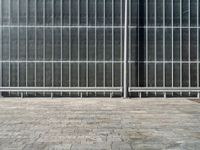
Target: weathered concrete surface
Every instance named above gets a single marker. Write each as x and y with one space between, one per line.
99 124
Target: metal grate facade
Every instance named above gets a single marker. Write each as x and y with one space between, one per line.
99 48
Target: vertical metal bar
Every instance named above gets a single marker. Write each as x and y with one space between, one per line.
121 42
165 95
22 95
138 42
129 51
147 67
35 44
69 44
112 43
104 45
198 46
164 46
44 44
1 29
181 30
155 43
125 47
27 44
18 36
78 44
61 44
87 54
95 43
52 34
172 30
189 58
140 95
9 41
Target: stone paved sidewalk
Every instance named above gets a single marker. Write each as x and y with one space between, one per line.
62 124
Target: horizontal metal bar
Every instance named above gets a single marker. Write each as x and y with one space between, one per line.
95 27
164 89
56 61
63 61
166 27
30 26
161 62
61 89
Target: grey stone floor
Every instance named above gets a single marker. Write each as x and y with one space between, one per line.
57 124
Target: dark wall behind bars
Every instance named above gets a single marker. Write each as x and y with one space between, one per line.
79 43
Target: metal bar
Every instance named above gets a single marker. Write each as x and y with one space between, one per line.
129 51
75 61
189 49
27 21
52 34
18 46
121 43
198 47
100 27
113 43
61 89
87 42
155 43
35 64
164 89
78 17
101 89
9 53
138 32
22 95
44 44
147 59
164 60
104 45
1 69
169 61
181 32
58 61
73 26
95 32
125 47
61 44
172 32
69 44
140 95
166 27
